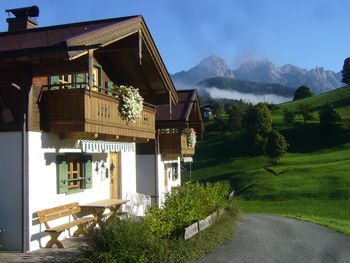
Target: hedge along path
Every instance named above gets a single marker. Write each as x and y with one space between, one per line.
201 225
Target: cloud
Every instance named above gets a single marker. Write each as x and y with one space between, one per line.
216 93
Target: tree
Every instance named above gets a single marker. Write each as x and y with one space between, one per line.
258 120
288 117
302 92
346 71
328 116
305 111
220 117
275 146
235 116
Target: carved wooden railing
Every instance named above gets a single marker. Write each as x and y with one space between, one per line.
173 143
72 108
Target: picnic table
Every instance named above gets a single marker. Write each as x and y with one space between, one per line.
98 209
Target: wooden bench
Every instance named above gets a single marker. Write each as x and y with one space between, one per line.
54 213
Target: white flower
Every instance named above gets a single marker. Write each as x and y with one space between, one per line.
191 138
130 102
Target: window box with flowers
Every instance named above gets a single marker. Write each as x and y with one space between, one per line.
130 102
191 138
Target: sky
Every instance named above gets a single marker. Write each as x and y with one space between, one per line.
305 33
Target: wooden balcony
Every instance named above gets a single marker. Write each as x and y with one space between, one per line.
84 114
174 144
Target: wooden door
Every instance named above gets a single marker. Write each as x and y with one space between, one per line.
115 189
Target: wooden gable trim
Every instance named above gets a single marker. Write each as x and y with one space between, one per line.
118 31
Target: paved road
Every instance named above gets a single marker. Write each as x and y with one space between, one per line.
265 238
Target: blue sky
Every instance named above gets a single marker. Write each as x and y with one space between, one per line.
306 33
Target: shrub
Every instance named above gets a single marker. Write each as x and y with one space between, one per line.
288 117
130 241
125 241
328 116
192 202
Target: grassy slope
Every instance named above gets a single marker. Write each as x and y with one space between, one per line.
315 184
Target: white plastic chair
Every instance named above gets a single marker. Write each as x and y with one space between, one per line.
136 201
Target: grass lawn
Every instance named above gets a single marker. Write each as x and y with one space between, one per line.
312 182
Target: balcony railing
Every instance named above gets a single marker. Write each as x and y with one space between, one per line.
72 109
173 143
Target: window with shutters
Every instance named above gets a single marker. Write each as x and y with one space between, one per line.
74 172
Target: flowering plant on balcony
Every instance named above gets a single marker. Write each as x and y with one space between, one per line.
191 138
130 102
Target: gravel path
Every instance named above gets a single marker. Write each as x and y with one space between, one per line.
265 238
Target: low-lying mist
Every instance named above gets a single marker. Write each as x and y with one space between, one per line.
216 93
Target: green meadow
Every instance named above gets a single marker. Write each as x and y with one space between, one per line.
312 181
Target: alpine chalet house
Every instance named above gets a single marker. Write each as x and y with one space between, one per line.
64 135
158 166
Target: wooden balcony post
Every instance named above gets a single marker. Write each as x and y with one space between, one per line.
91 67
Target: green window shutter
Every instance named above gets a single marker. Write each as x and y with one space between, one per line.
87 159
62 174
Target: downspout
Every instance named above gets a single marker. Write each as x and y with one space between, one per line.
24 170
156 168
25 186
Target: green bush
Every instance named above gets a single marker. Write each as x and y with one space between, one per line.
190 203
125 241
133 242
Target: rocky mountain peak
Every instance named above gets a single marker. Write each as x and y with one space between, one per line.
211 66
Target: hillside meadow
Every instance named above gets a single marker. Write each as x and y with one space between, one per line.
312 181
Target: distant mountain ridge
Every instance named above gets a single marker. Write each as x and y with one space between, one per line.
264 71
318 79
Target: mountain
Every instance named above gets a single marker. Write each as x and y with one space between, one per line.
318 79
209 67
245 86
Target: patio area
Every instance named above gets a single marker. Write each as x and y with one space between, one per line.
67 254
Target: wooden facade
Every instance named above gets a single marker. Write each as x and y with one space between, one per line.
79 113
174 144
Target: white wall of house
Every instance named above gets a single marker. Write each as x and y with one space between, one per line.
164 170
146 172
128 172
10 190
43 148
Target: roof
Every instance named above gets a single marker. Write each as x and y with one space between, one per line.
74 40
52 35
182 110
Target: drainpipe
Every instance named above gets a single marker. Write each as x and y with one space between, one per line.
25 209
156 168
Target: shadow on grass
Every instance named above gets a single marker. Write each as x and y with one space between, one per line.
310 137
220 148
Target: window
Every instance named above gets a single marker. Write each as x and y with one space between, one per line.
174 171
74 172
96 74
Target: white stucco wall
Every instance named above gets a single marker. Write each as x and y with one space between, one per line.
10 190
43 148
162 189
128 172
146 174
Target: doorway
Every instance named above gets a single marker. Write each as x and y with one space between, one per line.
115 182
